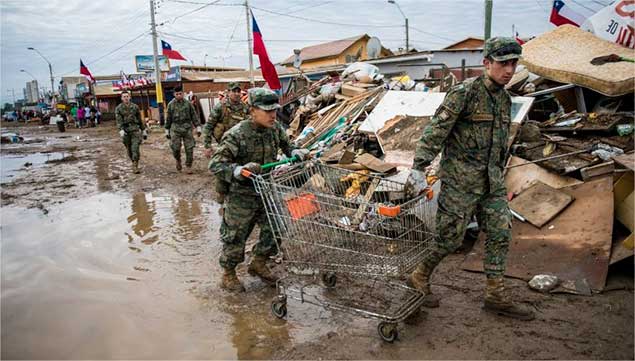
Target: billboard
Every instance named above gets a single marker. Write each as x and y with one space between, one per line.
145 63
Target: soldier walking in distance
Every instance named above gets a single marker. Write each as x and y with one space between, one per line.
224 116
131 128
181 119
471 128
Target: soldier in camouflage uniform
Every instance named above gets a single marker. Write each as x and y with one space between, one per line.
471 128
246 146
181 119
131 128
224 116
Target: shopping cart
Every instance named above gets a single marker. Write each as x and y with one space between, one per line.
331 222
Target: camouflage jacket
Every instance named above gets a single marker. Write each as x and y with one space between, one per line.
128 117
244 143
222 118
471 128
182 114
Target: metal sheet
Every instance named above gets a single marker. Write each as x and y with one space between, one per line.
577 247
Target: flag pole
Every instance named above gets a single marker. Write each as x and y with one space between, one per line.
250 46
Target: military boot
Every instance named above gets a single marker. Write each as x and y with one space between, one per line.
258 267
188 169
497 301
178 165
420 279
231 282
135 167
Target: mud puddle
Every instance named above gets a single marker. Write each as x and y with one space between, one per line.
13 165
115 276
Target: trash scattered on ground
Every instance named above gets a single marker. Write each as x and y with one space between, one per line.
543 283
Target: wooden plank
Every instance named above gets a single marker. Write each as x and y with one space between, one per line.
597 170
627 160
362 207
520 178
540 203
577 247
374 164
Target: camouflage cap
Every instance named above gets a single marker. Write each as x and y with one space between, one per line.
502 49
263 98
233 85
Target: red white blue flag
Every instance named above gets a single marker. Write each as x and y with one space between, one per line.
85 72
171 54
266 67
562 14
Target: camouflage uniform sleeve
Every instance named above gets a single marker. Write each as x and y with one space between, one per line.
208 130
224 160
119 118
437 131
193 115
168 120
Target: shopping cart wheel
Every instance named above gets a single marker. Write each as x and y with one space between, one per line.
279 308
387 331
329 279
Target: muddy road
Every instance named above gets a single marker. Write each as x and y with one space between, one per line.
99 263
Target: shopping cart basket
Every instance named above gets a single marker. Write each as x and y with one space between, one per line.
330 221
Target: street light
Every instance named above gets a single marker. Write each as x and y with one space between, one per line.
404 16
50 70
24 71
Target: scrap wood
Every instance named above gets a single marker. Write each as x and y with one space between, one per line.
518 179
540 203
597 170
362 207
374 164
627 160
576 247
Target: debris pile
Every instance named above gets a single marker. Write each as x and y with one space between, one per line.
570 168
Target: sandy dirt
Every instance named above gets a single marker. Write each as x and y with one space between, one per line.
87 163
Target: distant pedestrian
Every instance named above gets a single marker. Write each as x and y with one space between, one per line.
80 117
87 115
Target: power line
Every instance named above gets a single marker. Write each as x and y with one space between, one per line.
108 53
431 34
195 10
325 22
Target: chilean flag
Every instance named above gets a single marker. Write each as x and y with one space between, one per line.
85 72
562 14
266 67
171 54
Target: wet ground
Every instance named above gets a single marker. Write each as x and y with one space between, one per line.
98 263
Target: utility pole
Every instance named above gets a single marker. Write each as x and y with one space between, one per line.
250 46
488 19
407 38
157 70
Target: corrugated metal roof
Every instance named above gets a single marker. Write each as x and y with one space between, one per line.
220 76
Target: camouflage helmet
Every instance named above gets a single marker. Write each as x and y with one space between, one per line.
233 85
502 49
263 98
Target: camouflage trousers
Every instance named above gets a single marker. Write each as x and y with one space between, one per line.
132 140
242 214
455 210
182 135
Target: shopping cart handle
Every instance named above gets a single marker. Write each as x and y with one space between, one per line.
247 173
275 164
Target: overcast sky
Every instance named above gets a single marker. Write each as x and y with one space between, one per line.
107 34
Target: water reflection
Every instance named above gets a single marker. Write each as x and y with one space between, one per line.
142 219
